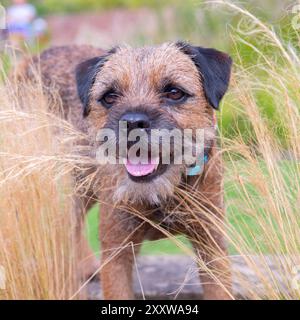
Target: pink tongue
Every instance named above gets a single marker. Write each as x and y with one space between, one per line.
140 169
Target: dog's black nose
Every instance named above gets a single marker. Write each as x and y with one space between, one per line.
136 120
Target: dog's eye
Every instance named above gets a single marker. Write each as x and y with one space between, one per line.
109 98
174 94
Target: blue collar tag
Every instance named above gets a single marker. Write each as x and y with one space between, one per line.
198 167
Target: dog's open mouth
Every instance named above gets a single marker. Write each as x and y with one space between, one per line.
144 170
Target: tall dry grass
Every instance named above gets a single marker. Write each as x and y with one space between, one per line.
37 244
265 174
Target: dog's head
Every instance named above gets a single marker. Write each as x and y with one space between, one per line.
171 86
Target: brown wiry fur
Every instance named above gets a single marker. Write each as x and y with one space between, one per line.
140 73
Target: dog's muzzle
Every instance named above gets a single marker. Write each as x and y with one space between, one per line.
141 163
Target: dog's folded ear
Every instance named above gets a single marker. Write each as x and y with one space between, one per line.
85 73
214 67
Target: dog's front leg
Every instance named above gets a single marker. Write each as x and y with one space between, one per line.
120 240
216 279
210 246
88 263
208 236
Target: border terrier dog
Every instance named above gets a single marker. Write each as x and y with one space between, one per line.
169 86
